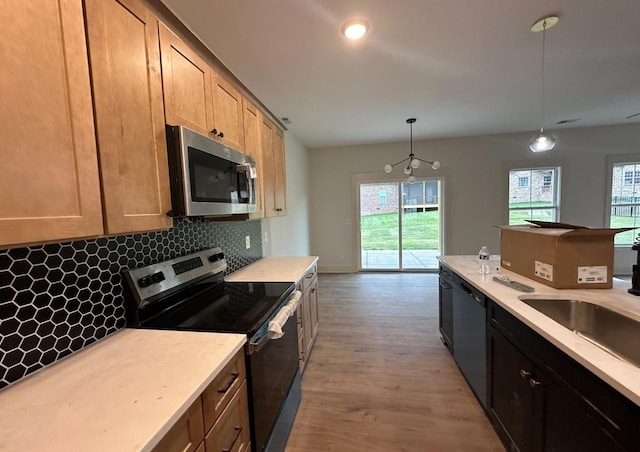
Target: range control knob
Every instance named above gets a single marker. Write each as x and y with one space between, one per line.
148 280
216 257
145 281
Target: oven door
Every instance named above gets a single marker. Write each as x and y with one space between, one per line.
272 371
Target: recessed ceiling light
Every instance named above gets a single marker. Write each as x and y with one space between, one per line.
355 29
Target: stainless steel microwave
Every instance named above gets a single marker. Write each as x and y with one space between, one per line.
208 178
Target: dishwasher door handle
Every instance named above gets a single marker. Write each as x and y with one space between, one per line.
473 294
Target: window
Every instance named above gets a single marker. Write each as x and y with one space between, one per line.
382 196
631 177
625 200
534 194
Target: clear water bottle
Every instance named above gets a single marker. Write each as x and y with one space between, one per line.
483 260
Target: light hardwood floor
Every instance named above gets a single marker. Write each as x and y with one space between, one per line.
379 378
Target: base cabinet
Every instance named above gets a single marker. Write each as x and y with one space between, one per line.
510 396
218 420
541 400
308 315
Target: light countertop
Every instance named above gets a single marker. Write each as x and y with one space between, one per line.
122 393
275 269
620 375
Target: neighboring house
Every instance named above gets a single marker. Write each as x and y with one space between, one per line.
625 189
383 198
528 185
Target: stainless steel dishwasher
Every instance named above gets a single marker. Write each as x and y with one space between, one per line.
470 336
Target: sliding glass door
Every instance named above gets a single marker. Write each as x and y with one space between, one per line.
400 225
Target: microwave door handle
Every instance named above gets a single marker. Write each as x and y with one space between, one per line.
250 185
251 174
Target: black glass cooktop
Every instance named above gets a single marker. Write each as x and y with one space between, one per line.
221 307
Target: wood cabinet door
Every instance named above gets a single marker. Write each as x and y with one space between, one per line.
186 434
49 184
186 81
251 123
227 112
267 131
511 398
127 90
231 431
280 172
313 306
308 326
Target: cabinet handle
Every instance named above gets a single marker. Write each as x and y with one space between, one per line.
221 135
534 383
313 290
214 132
234 377
524 373
239 430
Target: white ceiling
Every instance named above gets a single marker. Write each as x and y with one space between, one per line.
461 67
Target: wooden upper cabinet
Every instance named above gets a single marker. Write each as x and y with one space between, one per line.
186 80
280 172
49 184
127 90
267 131
252 147
274 182
227 113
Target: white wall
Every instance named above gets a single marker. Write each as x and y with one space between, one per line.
289 235
475 170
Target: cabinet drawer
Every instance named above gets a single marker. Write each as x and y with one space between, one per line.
186 434
221 390
231 431
308 278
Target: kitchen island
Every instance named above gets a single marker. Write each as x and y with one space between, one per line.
544 386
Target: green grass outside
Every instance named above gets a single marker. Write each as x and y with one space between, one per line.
380 232
537 212
532 204
625 238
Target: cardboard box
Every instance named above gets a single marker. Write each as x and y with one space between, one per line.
560 255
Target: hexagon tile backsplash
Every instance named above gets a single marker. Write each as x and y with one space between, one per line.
57 298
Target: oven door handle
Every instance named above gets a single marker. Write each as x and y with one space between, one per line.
254 347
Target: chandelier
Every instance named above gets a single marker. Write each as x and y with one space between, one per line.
413 162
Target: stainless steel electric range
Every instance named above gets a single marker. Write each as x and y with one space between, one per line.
190 293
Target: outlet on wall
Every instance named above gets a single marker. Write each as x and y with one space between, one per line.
247 242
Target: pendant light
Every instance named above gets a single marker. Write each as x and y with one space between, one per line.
413 162
542 141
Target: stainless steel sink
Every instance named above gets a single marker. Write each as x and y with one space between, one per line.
613 332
